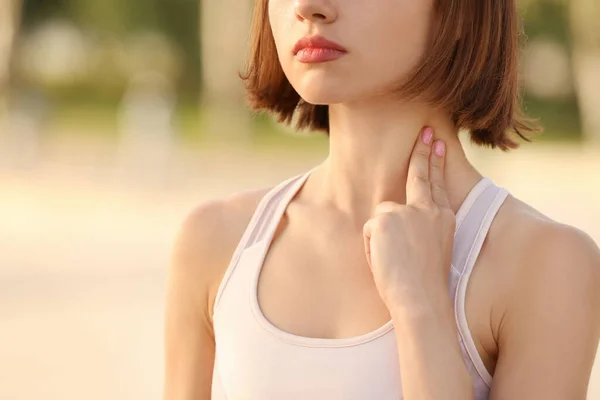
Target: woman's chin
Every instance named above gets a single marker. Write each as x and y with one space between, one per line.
322 98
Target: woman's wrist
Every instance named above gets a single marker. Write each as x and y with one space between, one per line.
422 312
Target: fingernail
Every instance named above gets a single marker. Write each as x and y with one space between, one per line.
427 135
439 148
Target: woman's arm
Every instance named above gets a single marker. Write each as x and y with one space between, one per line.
201 254
193 274
429 351
550 330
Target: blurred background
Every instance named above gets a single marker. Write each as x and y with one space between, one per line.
118 117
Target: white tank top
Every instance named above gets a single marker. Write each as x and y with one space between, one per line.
254 360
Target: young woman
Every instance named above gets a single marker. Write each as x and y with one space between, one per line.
393 269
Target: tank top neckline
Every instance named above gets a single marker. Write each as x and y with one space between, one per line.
264 244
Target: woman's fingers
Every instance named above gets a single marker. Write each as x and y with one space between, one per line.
437 163
418 188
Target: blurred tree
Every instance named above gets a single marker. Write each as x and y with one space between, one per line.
10 11
179 18
585 29
113 26
546 68
224 32
35 11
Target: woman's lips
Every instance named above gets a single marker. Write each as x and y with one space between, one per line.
317 49
318 54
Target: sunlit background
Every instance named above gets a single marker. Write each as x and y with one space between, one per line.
118 117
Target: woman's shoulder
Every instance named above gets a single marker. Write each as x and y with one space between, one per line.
530 235
207 239
522 240
222 221
539 283
533 258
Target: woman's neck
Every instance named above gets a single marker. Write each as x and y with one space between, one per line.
370 145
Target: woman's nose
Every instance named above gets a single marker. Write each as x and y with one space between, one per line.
318 11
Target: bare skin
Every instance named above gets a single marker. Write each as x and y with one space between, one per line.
532 302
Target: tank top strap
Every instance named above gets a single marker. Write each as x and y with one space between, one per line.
264 220
473 222
270 216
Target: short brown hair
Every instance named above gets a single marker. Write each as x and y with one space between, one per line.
470 69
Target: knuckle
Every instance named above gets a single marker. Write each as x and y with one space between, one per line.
385 222
386 206
438 188
435 213
426 205
437 169
412 210
436 162
422 152
419 179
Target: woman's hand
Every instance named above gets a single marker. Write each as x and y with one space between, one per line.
409 247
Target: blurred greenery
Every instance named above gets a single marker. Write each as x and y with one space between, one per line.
110 19
100 118
560 118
